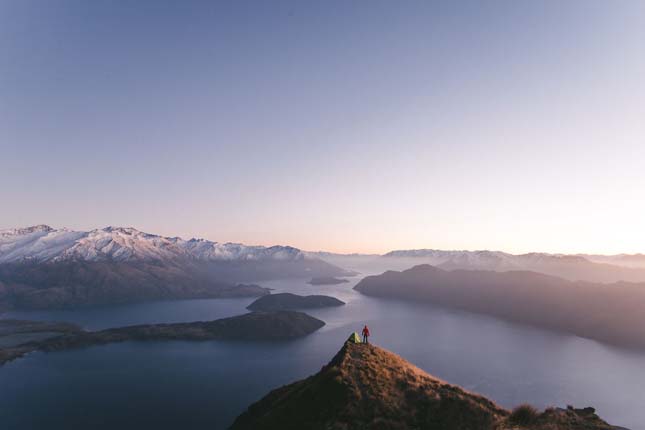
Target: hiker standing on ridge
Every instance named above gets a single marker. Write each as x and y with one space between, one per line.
366 334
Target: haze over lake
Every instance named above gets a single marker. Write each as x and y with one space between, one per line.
207 384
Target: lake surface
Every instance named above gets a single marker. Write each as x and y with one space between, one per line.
169 385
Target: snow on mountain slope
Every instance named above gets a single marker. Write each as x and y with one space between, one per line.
207 250
121 244
43 243
39 243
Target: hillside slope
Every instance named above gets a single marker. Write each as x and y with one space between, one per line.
366 387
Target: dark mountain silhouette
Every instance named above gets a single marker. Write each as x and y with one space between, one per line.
611 313
366 387
286 301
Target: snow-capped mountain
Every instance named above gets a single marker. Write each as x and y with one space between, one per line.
42 243
39 243
42 267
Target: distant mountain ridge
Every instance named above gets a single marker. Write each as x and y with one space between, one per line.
42 267
514 261
627 260
503 260
572 267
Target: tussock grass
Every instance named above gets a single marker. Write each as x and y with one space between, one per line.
524 415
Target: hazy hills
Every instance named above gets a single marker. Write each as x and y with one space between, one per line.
42 267
366 387
611 313
593 268
572 267
626 260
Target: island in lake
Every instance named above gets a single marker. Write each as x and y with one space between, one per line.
326 280
16 339
287 301
367 387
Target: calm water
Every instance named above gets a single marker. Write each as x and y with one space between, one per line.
206 385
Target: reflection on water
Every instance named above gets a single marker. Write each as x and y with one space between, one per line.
205 385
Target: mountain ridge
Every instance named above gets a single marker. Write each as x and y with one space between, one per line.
43 243
365 386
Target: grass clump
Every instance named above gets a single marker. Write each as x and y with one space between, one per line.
524 415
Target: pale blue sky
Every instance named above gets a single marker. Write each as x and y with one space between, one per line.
346 126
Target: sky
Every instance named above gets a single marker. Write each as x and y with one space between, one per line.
360 126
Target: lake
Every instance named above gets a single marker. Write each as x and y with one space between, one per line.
169 385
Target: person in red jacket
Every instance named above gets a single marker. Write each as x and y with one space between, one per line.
366 334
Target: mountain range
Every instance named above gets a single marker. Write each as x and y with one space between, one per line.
43 267
42 243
